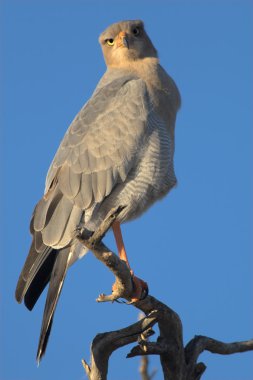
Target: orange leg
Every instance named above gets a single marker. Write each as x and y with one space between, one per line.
140 287
119 241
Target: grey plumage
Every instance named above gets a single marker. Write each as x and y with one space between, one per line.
117 151
55 286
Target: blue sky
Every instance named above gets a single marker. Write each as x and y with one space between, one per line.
195 247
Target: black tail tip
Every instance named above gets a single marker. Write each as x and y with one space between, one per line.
39 357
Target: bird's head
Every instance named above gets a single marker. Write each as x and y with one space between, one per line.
126 41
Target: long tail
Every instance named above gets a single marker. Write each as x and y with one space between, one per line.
35 275
48 265
55 286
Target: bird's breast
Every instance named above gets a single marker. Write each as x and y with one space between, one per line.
154 175
150 179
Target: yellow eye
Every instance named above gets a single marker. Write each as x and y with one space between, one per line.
110 41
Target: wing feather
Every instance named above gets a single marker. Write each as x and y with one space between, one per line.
69 182
102 142
45 208
52 233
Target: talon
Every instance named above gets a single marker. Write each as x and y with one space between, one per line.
140 289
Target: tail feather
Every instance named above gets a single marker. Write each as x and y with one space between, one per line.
54 219
55 286
40 280
31 269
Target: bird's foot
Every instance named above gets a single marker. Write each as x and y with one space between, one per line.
140 289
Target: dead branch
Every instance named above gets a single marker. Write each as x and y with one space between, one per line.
104 344
144 363
200 344
178 363
145 375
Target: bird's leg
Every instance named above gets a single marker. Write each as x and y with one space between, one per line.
120 244
140 286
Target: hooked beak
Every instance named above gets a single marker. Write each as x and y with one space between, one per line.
122 40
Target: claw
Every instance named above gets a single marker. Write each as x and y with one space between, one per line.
140 289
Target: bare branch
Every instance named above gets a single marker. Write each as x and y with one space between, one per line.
148 348
104 344
86 368
144 363
177 363
143 369
170 328
202 343
168 321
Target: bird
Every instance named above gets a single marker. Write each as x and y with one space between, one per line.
118 151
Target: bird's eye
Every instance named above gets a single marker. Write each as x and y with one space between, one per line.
110 41
136 31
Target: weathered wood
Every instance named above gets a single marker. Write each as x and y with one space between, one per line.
104 344
178 363
202 343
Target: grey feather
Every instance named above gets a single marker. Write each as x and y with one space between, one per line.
109 182
69 182
85 197
106 132
73 222
87 193
55 287
54 229
39 244
45 208
101 185
40 214
84 161
31 267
